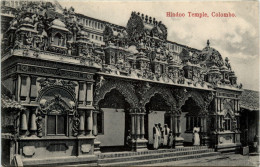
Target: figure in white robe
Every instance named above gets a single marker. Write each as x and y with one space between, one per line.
196 136
161 134
166 132
156 135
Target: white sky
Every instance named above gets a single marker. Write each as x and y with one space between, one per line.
236 38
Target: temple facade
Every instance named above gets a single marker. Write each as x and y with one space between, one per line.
73 86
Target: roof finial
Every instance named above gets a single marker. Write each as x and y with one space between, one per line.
208 43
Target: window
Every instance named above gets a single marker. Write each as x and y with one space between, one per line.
100 122
227 122
161 68
96 37
58 39
56 124
100 38
92 36
191 122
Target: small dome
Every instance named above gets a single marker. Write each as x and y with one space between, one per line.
58 23
224 68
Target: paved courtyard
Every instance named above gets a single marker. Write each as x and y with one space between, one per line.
220 160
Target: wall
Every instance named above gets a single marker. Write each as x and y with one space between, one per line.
114 127
153 118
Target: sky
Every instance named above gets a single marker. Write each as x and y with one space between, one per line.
236 38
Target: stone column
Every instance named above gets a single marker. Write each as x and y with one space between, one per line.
138 126
138 142
132 125
202 125
95 133
33 128
89 123
171 123
177 131
23 124
205 138
82 123
142 126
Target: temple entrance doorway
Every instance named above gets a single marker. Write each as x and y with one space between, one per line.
189 119
156 110
113 122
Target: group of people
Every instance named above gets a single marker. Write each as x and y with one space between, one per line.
162 136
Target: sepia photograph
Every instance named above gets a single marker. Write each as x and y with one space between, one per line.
130 83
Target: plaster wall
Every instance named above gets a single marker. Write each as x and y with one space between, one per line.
114 127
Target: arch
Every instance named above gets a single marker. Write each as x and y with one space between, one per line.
196 96
164 92
46 89
125 88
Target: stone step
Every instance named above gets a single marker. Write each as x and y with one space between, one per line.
160 160
152 156
123 154
228 150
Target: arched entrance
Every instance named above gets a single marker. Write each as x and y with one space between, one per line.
113 122
190 118
156 112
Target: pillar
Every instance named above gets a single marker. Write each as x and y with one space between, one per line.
33 128
82 123
138 142
133 125
138 126
23 124
171 123
95 133
142 126
202 125
89 123
178 140
205 138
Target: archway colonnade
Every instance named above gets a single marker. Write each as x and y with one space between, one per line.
140 94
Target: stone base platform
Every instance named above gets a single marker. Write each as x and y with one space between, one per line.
153 156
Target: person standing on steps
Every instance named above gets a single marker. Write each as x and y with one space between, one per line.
166 132
156 135
161 135
196 136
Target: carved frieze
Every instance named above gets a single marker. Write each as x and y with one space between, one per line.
124 87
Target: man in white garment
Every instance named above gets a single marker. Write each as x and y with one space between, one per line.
156 134
166 132
161 134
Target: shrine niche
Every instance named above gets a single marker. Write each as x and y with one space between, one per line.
57 110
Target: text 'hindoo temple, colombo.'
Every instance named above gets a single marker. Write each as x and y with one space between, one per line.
73 86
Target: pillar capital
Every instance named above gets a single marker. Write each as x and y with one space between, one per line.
138 111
